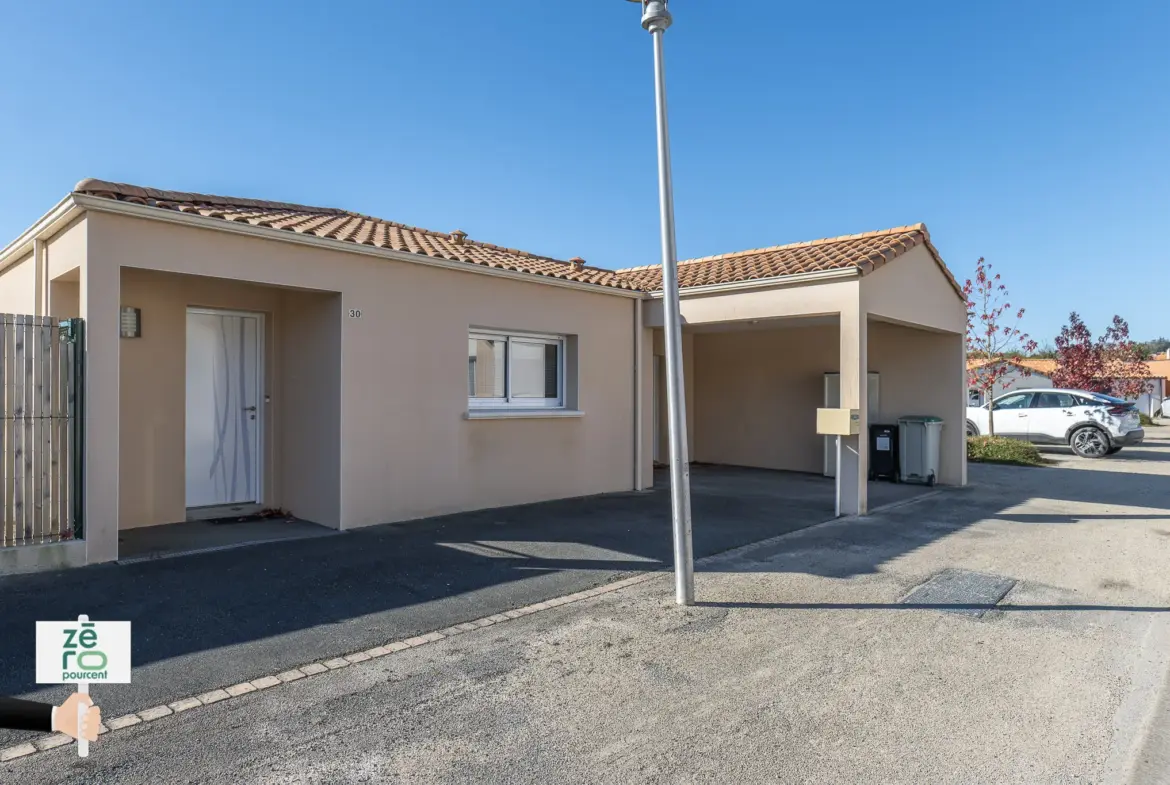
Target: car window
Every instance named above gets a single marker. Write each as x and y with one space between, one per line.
1054 400
1017 401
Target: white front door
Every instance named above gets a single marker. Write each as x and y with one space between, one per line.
833 401
224 361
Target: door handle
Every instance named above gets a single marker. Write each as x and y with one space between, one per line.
1022 414
249 408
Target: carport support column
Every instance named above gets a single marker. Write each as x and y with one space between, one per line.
100 296
853 464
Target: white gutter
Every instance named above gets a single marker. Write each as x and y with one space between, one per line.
638 354
764 283
47 225
102 204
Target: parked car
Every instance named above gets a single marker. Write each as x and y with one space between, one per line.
1093 424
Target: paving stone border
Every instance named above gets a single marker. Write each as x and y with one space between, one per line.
324 666
311 669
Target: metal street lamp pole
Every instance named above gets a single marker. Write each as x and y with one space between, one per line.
655 19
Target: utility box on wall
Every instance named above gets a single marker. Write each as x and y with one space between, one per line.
839 422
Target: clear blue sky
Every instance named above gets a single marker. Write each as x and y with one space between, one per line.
1036 134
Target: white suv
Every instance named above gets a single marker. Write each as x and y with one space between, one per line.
1094 425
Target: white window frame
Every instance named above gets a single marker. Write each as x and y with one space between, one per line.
508 402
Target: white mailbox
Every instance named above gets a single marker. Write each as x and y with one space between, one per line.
839 422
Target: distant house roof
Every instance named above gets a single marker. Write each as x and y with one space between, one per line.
348 227
1033 364
1159 369
863 252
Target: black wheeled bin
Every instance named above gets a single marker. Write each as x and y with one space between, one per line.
883 452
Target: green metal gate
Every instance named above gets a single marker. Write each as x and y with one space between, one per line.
42 436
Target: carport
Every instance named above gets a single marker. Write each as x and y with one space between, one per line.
873 322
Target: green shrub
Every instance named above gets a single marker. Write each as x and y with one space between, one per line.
997 449
1147 422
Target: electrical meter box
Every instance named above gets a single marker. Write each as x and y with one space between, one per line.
839 422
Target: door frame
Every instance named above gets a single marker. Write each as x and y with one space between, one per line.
261 407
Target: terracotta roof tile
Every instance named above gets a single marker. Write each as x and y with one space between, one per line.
1035 364
346 226
1158 369
863 252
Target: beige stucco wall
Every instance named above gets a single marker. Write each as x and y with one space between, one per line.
913 289
813 298
406 449
923 373
22 289
18 287
306 405
659 384
153 394
65 254
649 390
65 251
757 392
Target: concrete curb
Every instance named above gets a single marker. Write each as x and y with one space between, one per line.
228 693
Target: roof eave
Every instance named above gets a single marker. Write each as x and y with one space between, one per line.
102 204
46 226
774 282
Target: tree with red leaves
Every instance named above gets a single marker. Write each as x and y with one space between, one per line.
1126 370
1079 362
1113 364
993 334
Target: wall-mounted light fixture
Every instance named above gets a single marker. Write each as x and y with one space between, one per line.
131 322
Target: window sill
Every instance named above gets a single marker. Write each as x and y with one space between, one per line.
519 414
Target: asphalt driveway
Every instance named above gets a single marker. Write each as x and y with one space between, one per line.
215 619
1016 631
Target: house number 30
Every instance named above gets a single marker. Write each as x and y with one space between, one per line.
355 313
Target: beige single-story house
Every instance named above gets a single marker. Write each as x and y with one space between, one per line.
252 353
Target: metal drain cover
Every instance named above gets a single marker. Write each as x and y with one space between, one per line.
960 591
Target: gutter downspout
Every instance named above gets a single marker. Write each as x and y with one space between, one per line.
41 273
638 355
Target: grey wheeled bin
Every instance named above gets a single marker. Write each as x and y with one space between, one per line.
919 442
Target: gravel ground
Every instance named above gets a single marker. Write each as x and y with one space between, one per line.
800 665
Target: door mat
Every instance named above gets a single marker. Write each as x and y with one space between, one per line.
262 515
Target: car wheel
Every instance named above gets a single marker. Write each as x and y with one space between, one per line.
1089 442
971 429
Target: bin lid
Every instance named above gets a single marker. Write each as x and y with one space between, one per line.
920 418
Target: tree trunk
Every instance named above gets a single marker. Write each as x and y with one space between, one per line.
990 414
